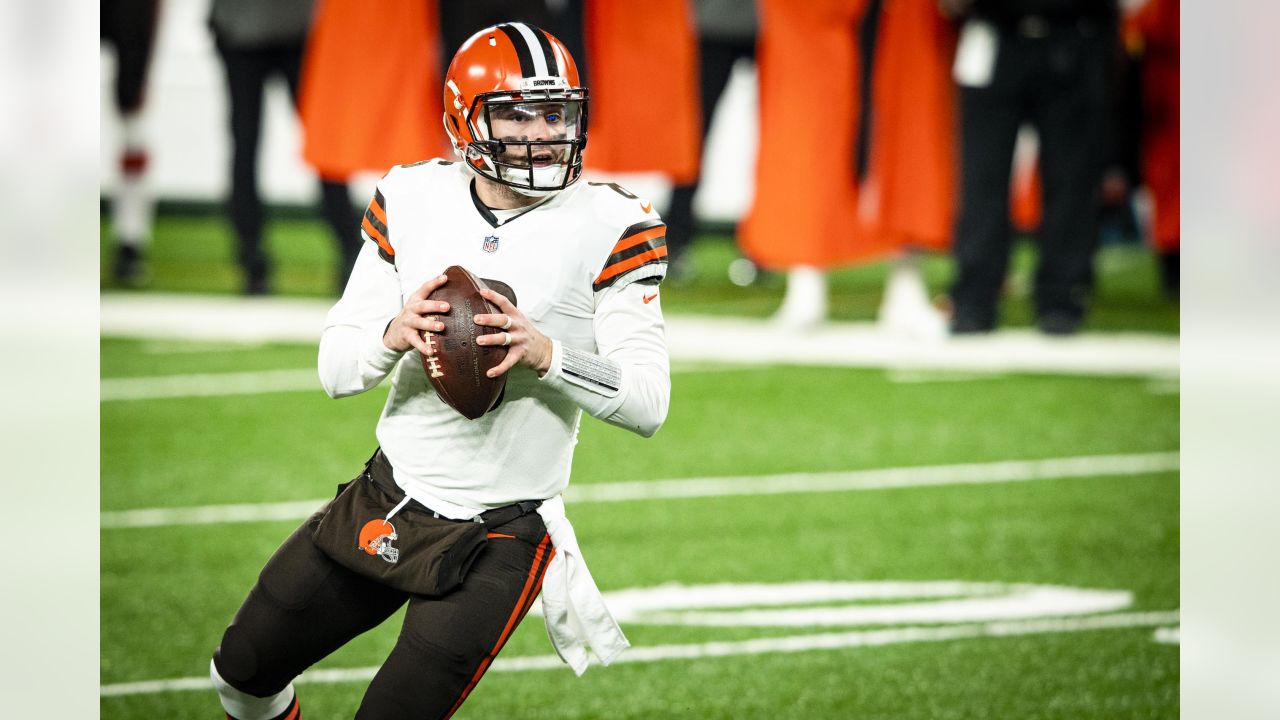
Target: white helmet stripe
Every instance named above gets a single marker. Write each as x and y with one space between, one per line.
535 49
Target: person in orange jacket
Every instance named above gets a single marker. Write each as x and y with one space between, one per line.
649 45
856 149
370 91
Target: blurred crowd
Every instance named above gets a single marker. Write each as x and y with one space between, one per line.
888 129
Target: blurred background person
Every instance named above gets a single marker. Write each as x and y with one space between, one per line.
726 34
649 45
1046 63
1152 39
369 99
129 28
257 41
907 155
856 152
459 20
803 217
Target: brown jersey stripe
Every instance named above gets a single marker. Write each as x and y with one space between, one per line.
379 206
646 240
643 236
656 235
639 227
374 225
612 272
638 249
371 227
387 252
377 224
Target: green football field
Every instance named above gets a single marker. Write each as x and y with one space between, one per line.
796 542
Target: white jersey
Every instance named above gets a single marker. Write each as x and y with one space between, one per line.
584 265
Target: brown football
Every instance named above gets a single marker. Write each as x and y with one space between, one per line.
457 365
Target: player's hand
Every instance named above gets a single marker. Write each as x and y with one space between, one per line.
416 317
525 345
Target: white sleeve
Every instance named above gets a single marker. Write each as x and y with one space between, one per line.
352 356
628 383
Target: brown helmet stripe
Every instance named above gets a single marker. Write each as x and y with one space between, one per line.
553 65
523 51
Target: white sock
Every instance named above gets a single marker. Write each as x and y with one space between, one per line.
805 302
133 208
243 706
905 308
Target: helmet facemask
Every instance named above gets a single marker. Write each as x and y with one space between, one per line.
530 141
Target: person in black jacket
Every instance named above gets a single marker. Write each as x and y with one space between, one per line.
1046 63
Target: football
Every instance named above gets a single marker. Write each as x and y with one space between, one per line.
457 365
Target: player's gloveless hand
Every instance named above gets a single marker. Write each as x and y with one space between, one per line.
416 317
526 345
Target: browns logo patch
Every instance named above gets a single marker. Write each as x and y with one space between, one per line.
376 537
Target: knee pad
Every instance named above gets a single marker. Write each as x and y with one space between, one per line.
245 706
237 665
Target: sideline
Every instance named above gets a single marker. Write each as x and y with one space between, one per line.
786 644
689 338
856 480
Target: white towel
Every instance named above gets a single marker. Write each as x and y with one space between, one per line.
572 605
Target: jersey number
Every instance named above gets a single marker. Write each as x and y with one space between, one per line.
618 189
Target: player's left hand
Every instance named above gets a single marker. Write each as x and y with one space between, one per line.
526 346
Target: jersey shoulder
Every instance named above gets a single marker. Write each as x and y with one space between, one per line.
631 238
403 183
422 171
614 206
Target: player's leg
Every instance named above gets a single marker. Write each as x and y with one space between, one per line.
246 72
131 25
303 607
448 643
335 199
989 120
715 61
1072 113
344 223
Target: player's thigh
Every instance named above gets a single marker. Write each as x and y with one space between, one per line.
447 644
476 618
303 607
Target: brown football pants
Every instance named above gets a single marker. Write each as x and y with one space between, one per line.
304 606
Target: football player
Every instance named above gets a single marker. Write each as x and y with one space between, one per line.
584 333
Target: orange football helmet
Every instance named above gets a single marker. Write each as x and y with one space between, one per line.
524 79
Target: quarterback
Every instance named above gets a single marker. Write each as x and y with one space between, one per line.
462 520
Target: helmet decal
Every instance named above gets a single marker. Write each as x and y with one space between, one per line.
375 539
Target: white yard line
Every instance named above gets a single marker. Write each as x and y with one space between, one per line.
167 387
160 316
787 644
856 480
209 384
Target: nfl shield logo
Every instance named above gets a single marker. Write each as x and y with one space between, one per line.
490 244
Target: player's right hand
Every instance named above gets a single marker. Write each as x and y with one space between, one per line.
416 317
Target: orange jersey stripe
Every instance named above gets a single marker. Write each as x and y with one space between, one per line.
377 237
631 241
378 211
631 263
